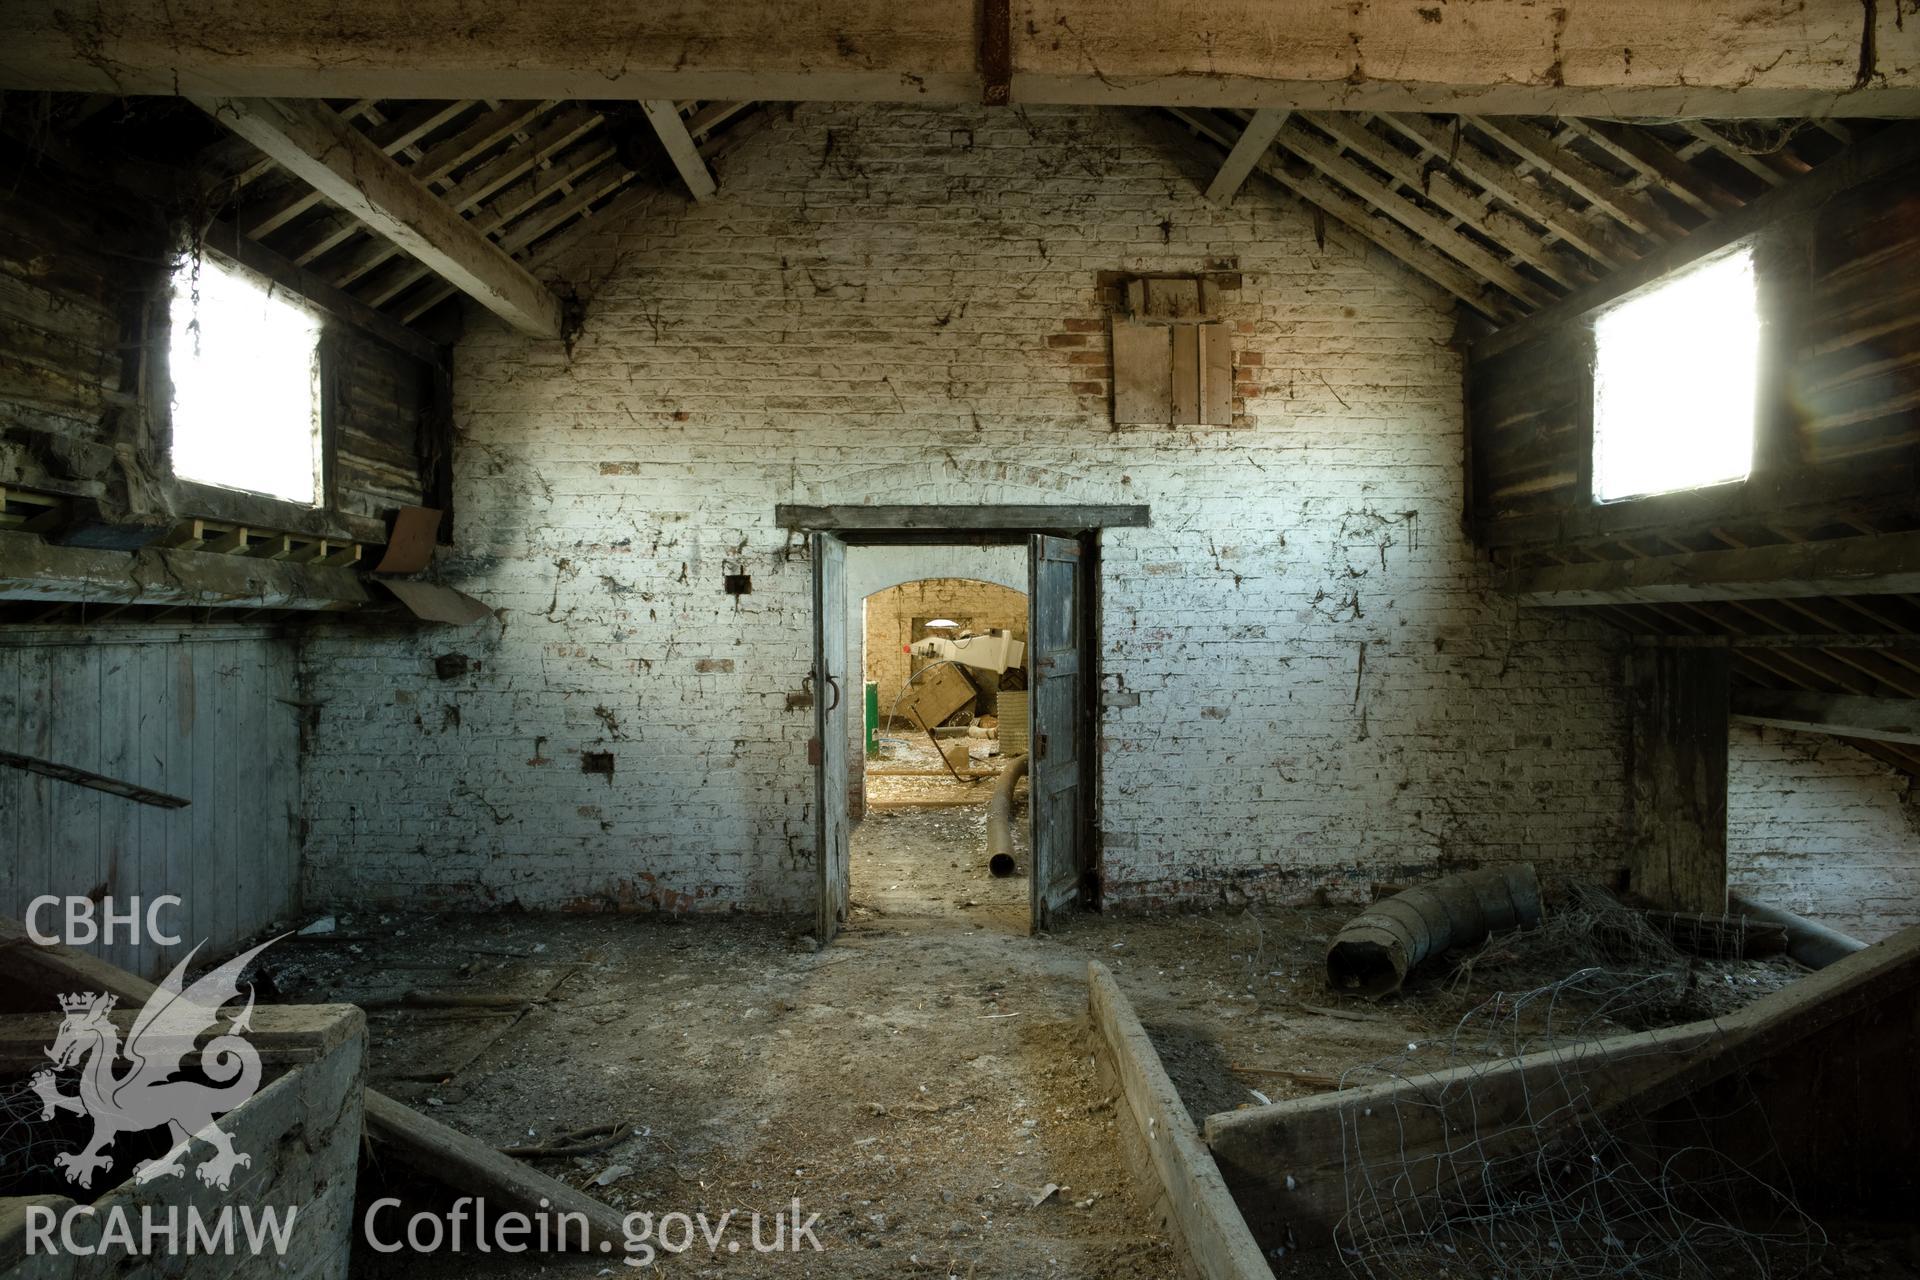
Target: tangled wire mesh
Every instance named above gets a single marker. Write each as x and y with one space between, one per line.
1485 1170
28 1143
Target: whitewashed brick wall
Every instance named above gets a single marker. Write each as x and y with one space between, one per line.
897 305
1822 829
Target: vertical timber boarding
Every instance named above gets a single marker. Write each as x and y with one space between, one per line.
1677 712
830 691
1060 735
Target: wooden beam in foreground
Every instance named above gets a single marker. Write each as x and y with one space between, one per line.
1291 1164
320 147
1180 1178
1503 57
664 116
1247 150
1842 714
1872 564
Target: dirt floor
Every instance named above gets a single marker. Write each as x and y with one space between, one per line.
923 1083
932 862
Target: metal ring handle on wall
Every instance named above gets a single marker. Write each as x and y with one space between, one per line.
835 686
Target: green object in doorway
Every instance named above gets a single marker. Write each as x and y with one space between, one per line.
873 718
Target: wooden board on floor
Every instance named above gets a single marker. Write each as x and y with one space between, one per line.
1201 1211
471 1166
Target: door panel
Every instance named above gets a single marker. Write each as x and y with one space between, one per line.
832 828
1059 730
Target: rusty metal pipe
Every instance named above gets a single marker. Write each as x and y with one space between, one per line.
1000 818
1376 950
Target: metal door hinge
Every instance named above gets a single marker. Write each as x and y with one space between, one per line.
816 753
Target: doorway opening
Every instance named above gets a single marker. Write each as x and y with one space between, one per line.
940 797
1062 676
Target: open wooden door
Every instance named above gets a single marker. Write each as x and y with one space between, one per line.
829 747
1060 730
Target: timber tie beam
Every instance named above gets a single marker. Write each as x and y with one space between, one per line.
1843 715
1499 57
1878 564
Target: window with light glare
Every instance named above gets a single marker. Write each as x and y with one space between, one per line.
246 384
1676 379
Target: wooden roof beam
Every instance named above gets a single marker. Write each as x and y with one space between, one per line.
667 122
1337 204
712 115
558 177
1844 715
395 137
1649 157
1770 169
1886 151
1331 201
1508 57
345 166
596 185
481 135
1460 154
1247 149
1588 181
1879 564
1497 225
1429 228
561 131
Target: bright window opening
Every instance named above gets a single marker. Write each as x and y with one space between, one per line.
246 384
1675 383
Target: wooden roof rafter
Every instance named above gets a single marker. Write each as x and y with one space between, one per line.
1510 214
520 174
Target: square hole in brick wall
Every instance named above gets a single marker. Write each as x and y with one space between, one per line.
739 584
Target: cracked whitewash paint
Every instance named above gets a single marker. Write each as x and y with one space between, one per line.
1823 829
894 305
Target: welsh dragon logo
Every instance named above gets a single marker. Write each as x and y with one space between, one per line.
145 1095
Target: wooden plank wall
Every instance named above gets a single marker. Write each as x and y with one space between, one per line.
1677 723
84 270
1840 401
382 401
72 293
203 713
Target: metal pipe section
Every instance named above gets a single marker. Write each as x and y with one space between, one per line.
1808 941
1379 947
1000 818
